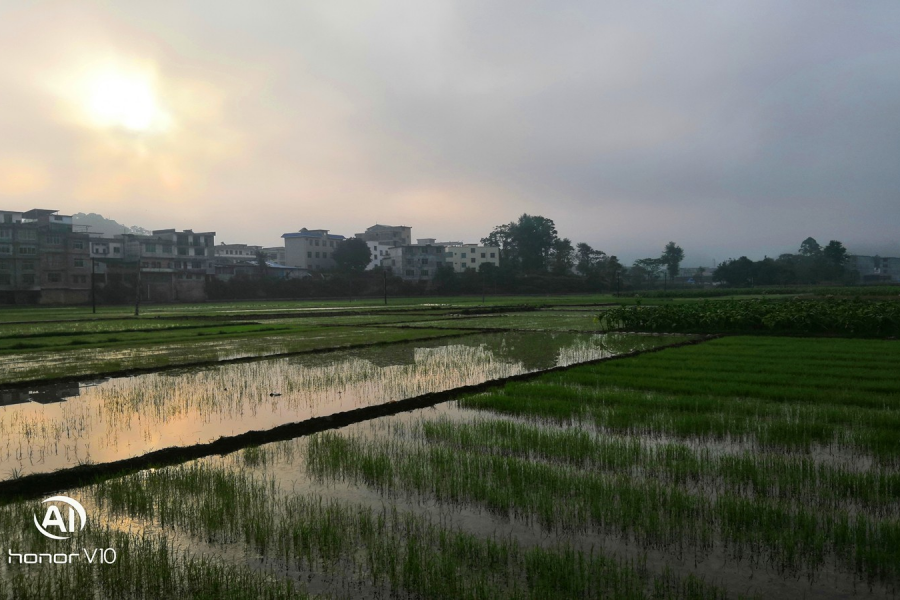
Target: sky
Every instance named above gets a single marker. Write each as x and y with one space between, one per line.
732 128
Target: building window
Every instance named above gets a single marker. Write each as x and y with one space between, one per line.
182 251
424 271
317 254
492 255
4 249
196 264
309 254
53 239
482 255
79 263
27 279
28 265
26 250
316 242
117 250
410 272
79 278
472 259
167 248
27 234
54 277
5 234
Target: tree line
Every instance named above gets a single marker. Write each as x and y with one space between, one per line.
812 264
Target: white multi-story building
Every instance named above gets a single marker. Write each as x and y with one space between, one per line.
469 256
311 249
418 262
378 251
236 252
875 268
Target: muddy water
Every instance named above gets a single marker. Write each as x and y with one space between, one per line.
66 424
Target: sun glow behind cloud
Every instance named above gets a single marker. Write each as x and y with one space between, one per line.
121 99
115 94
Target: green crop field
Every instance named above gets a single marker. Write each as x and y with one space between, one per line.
745 466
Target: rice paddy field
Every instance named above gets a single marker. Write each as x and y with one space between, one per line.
583 465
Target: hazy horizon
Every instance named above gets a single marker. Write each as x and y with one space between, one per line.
733 129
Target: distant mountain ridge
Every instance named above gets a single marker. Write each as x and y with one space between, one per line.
106 227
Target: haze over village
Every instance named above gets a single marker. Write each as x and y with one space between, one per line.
735 129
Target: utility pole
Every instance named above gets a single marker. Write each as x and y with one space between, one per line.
93 286
384 272
137 290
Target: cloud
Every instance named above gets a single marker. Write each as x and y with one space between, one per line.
750 124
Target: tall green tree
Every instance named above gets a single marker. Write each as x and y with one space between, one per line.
526 244
562 256
835 253
671 258
352 255
648 267
810 247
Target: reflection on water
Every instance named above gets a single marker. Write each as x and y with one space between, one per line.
129 416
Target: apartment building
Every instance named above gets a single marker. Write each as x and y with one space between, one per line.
275 254
391 235
174 265
875 268
42 258
415 262
469 256
378 251
236 252
311 249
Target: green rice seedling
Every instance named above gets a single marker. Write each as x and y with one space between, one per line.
382 547
652 510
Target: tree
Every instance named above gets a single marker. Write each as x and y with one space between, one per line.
671 258
649 267
737 273
352 255
534 236
810 247
587 260
835 253
502 238
525 245
561 256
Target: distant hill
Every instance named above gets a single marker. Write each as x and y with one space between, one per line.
107 227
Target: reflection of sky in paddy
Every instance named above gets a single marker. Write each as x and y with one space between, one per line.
129 416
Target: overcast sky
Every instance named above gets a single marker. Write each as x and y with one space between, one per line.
729 127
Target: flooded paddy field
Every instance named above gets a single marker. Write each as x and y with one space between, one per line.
738 467
196 347
56 425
